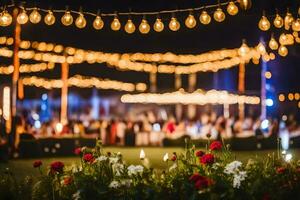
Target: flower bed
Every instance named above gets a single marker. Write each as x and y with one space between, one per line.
195 174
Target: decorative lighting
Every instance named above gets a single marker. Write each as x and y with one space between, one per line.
286 39
261 48
296 25
281 97
5 18
22 17
67 19
204 18
244 49
268 75
6 103
291 96
144 27
98 23
129 26
278 21
174 25
142 154
232 9
264 23
115 24
80 21
219 15
273 44
245 4
288 19
35 16
49 18
283 51
190 21
158 25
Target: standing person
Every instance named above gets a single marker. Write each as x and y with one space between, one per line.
3 142
121 127
113 132
129 134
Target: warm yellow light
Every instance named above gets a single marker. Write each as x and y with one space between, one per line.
286 39
6 103
278 21
174 25
281 97
80 21
268 75
273 44
244 49
49 18
190 21
232 9
67 19
115 24
291 96
98 23
129 26
204 18
272 56
296 25
261 48
144 27
158 25
264 23
245 4
5 18
297 96
35 17
219 15
299 104
288 19
283 51
22 17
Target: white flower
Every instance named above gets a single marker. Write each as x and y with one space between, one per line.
173 167
215 166
101 158
76 196
232 167
166 157
118 168
113 160
238 178
135 169
114 184
126 182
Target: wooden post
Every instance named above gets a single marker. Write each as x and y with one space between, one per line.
153 82
178 107
241 88
192 87
64 93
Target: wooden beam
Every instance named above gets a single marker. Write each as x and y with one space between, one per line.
64 93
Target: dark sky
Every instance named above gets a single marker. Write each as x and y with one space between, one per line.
228 34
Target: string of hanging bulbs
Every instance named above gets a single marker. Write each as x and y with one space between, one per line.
144 27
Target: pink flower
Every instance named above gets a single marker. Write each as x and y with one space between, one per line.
200 182
57 166
88 158
199 153
215 145
77 151
207 159
174 157
280 170
68 180
37 163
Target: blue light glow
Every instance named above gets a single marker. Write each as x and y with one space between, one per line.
44 97
264 124
269 102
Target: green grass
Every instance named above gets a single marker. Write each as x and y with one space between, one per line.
23 167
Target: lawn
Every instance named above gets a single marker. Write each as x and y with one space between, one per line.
23 167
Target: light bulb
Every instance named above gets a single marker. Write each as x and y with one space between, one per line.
283 51
204 18
98 23
245 4
5 18
158 25
22 17
35 16
129 26
264 23
174 25
278 21
49 18
190 21
232 9
288 19
80 21
219 15
115 24
244 49
296 25
272 56
261 48
67 19
144 27
273 44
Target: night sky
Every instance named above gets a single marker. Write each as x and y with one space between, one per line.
227 34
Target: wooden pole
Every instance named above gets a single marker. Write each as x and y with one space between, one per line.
64 93
178 107
153 82
241 88
192 87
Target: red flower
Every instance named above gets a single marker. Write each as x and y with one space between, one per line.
77 151
266 197
174 157
199 153
68 180
298 169
194 177
37 163
88 158
215 145
280 170
57 167
207 159
200 182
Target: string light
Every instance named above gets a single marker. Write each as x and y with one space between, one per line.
35 16
190 21
49 18
261 48
244 49
286 39
296 25
288 19
5 18
283 51
158 25
115 24
27 68
174 25
273 44
67 19
204 18
219 15
278 21
281 97
144 27
129 26
80 21
98 23
264 23
22 17
245 4
232 9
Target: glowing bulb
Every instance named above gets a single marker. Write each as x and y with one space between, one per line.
288 19
296 25
144 27
190 21
244 49
59 127
98 23
288 157
22 17
273 44
5 18
158 25
232 9
67 19
129 26
261 48
283 51
49 18
142 154
219 15
174 25
278 21
35 16
80 21
245 4
264 23
115 24
204 18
